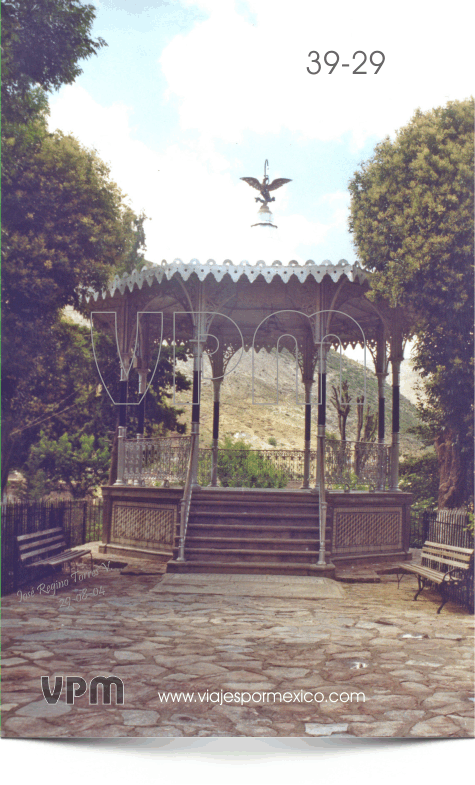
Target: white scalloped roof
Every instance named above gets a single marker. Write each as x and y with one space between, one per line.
219 269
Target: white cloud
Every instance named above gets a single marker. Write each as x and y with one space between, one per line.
232 74
197 208
108 130
235 73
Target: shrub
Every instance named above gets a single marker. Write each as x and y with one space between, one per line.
241 467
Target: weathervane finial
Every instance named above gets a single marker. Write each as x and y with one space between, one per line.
264 187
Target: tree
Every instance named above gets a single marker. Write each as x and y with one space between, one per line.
412 223
73 449
341 402
419 476
65 228
42 42
367 422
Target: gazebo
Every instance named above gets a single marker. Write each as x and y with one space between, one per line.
168 501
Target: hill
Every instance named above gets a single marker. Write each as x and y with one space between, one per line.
285 421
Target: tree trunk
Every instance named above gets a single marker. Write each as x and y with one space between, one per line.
451 471
343 408
8 444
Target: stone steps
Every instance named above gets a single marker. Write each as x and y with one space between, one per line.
246 531
262 532
245 543
250 568
248 555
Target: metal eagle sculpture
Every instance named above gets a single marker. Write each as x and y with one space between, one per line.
265 187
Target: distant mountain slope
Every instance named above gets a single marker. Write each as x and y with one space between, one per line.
285 422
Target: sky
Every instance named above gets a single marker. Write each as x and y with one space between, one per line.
191 95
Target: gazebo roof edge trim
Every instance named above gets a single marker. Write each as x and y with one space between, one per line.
218 270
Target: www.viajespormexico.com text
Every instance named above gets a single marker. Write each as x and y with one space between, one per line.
241 698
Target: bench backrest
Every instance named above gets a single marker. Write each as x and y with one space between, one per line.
40 545
446 557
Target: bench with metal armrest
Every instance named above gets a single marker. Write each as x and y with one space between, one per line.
442 565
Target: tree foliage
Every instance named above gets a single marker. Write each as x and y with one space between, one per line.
419 476
42 43
412 222
68 445
65 224
66 228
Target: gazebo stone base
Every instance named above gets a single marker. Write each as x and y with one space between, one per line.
393 556
369 525
140 523
256 531
129 552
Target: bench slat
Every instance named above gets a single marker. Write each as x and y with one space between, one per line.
24 537
438 577
53 542
39 551
32 542
446 554
449 562
448 547
63 557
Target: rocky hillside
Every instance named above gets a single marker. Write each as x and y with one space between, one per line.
285 421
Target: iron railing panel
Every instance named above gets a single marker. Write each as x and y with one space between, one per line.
163 458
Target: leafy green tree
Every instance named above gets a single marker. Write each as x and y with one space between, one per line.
61 463
60 214
47 392
65 228
42 42
65 225
412 223
67 440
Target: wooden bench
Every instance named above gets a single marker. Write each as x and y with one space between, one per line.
47 548
442 565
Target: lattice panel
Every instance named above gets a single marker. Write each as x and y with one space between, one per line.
151 525
370 530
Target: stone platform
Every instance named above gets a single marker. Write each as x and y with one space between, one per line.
277 586
410 672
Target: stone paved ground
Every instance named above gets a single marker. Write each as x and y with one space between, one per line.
415 668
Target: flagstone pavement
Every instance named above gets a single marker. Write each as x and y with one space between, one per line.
357 660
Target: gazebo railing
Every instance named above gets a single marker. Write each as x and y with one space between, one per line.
162 458
273 468
357 465
348 465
